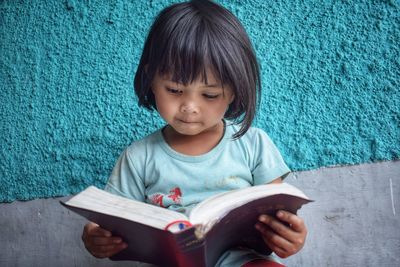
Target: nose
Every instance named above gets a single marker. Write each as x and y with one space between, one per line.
189 106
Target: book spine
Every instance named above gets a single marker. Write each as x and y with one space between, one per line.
191 251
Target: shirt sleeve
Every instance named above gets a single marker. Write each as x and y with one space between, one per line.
125 179
268 161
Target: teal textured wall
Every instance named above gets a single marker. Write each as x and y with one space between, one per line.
330 74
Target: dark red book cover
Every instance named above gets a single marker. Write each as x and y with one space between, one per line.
186 248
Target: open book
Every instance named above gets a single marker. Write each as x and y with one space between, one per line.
169 238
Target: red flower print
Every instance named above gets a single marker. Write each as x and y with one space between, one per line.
175 194
157 199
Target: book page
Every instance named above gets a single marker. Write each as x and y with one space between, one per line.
98 200
211 210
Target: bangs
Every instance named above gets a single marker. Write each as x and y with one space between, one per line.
188 54
186 65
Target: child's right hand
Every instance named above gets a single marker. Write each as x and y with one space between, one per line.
100 242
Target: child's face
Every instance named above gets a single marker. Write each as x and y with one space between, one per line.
194 108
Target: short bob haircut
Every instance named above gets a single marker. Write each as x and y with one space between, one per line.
186 39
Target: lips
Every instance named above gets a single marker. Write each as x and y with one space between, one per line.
186 121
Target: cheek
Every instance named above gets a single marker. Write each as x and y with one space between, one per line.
164 107
217 109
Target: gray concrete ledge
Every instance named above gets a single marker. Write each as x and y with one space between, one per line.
354 221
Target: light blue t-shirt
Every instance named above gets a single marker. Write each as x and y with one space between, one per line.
150 170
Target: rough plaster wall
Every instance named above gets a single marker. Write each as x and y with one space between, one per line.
330 73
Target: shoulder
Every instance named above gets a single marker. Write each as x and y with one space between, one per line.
250 144
135 157
254 142
255 132
144 144
253 135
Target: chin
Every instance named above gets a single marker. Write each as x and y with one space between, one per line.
187 131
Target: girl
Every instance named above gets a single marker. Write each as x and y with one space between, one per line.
199 71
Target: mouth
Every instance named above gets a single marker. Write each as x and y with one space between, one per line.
187 121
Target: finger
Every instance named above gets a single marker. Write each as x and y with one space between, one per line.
103 241
271 237
299 230
98 231
297 239
295 222
275 225
90 226
276 249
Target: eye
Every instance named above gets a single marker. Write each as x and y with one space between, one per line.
211 96
173 91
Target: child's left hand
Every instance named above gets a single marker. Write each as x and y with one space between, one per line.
282 239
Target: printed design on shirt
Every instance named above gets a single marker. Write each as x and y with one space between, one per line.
157 199
175 195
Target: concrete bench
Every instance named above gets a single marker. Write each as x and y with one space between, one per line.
353 222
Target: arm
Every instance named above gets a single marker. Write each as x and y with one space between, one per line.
124 181
100 242
286 234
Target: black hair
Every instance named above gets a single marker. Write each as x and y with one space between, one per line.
186 39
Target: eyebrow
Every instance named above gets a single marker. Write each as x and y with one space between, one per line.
212 85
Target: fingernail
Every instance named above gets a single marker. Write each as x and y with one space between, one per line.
116 241
263 218
280 214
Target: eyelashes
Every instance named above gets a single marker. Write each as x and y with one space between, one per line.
174 91
178 92
211 96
